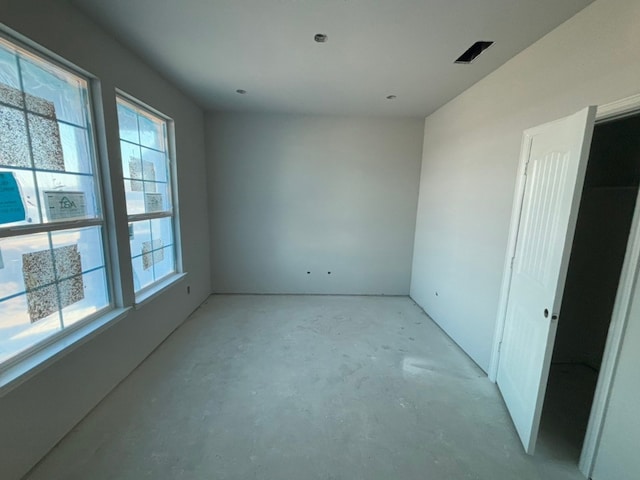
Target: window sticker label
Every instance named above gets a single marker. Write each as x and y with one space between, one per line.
11 95
11 205
14 144
46 143
65 205
40 105
148 174
152 252
40 277
153 202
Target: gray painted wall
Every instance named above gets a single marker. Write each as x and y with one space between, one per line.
470 157
617 457
293 194
37 414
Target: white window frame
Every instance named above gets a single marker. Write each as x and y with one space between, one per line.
20 367
148 292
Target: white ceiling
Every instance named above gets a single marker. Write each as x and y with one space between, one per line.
375 48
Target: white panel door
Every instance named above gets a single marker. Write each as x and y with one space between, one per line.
556 154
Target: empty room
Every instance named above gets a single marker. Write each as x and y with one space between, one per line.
338 239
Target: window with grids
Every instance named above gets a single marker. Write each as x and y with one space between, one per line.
52 256
146 168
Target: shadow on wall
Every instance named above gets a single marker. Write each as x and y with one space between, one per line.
295 194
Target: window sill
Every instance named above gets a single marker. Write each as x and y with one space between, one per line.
147 295
24 369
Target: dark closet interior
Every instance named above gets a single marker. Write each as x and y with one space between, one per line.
602 231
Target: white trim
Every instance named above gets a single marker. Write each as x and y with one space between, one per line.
141 105
609 111
617 327
175 201
46 227
619 108
20 367
620 314
146 295
140 217
525 152
516 210
143 295
34 48
21 371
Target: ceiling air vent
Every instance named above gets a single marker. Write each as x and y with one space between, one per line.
473 52
321 38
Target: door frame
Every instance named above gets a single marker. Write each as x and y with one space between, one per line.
619 319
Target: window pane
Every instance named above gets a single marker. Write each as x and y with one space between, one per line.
164 263
147 180
131 163
139 235
160 252
162 230
12 251
94 296
51 135
75 147
128 123
49 86
157 197
89 245
9 81
32 262
46 145
17 332
152 249
151 132
54 145
132 173
49 272
155 165
142 274
14 143
39 279
47 171
135 196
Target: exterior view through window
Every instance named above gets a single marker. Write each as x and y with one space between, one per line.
52 262
146 167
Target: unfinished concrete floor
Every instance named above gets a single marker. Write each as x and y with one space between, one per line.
301 387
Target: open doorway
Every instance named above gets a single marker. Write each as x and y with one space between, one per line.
600 242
